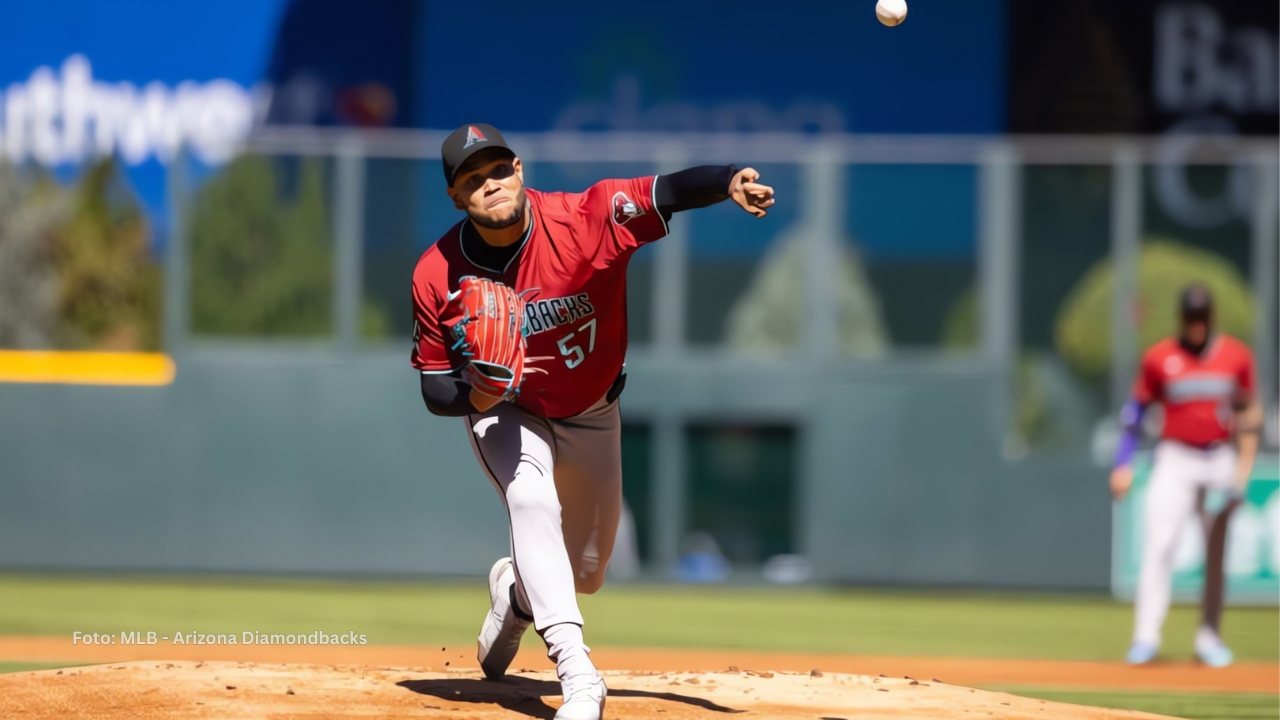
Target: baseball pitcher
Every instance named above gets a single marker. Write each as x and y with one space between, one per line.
521 329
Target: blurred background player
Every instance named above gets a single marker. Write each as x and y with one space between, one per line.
1205 382
552 449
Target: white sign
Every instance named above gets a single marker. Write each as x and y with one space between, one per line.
68 116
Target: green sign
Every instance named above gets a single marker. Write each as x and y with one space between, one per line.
1253 541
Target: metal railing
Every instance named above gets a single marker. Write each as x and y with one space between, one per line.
999 162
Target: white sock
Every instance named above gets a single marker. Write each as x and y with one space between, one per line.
568 650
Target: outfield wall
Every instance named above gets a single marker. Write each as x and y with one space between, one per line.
274 461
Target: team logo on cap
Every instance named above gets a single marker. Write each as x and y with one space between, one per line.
473 136
625 209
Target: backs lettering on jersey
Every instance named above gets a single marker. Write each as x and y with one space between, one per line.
551 313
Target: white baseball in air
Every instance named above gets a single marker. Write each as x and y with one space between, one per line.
891 12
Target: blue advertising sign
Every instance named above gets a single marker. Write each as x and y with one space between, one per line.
679 66
138 80
80 80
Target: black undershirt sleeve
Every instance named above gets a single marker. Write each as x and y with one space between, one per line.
447 395
693 188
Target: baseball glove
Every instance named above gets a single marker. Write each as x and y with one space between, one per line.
490 334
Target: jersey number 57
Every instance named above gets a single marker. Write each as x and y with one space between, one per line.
574 354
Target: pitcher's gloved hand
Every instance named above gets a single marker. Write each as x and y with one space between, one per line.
490 335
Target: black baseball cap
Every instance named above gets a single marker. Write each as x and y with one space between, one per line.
1195 304
467 141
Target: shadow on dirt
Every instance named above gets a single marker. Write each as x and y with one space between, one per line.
524 695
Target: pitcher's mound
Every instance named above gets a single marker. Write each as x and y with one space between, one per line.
148 690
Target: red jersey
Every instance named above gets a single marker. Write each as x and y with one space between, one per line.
1199 393
572 267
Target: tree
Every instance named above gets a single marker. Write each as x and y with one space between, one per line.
262 263
29 215
110 288
75 267
1083 333
770 317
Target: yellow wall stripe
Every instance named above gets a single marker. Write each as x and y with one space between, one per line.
85 368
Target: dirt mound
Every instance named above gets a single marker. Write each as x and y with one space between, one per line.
151 690
1258 677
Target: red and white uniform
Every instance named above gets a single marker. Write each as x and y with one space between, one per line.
572 267
1200 394
555 454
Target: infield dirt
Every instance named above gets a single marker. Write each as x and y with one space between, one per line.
151 690
1258 677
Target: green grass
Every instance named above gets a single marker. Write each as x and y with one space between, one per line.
13 667
970 625
889 623
1200 706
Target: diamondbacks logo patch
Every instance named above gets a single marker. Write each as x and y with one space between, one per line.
473 136
625 209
